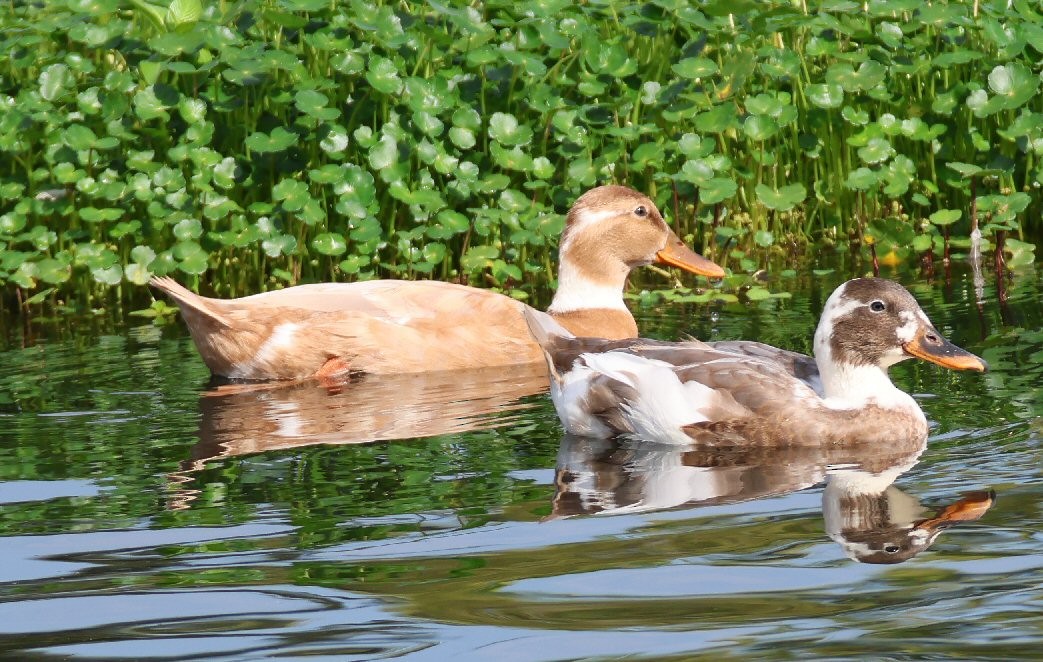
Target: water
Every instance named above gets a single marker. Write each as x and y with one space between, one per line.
146 514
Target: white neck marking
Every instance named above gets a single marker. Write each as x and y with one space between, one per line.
847 386
578 292
578 287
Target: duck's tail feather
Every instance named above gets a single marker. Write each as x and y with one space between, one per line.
544 328
189 301
549 335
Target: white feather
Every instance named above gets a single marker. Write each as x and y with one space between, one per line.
663 404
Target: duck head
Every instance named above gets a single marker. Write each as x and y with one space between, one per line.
612 229
868 325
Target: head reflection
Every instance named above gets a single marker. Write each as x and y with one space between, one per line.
875 522
872 520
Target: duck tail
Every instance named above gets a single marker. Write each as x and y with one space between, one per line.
549 335
188 301
544 328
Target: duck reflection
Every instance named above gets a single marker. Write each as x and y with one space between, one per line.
875 522
872 520
239 419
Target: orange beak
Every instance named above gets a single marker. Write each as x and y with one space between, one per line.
929 345
677 254
969 508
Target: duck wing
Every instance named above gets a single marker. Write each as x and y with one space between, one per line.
801 366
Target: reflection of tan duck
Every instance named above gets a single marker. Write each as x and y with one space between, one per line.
247 418
392 326
240 419
873 521
680 392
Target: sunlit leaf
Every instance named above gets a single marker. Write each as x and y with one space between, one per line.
329 243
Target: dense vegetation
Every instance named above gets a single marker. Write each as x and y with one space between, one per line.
272 142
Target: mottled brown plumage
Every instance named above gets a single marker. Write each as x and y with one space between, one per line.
741 393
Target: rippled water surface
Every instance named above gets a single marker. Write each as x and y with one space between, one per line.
145 513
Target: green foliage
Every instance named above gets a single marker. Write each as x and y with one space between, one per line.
267 143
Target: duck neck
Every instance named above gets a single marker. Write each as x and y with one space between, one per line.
587 280
849 385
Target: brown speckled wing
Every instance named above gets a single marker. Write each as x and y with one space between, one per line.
801 366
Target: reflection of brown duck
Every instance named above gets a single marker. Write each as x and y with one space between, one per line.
875 522
617 476
393 327
238 419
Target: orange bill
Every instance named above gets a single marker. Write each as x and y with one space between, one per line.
969 508
929 345
677 254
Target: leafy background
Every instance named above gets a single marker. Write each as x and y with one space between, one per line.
248 145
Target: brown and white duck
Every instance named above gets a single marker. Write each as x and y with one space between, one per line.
391 326
693 391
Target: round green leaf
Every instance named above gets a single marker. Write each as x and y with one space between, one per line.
79 137
283 244
759 127
384 154
183 12
862 179
825 95
335 140
945 216
717 190
461 137
194 263
330 243
53 271
142 255
877 150
188 229
763 238
505 128
383 76
278 140
309 100
782 199
193 111
111 275
695 67
138 274
55 81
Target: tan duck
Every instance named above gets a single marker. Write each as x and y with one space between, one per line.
392 326
693 391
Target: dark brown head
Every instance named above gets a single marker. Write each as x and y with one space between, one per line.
872 321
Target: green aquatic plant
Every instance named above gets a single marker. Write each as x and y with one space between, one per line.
260 144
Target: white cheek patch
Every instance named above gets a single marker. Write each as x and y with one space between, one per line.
907 331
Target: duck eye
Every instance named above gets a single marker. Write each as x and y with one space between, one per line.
877 306
641 211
